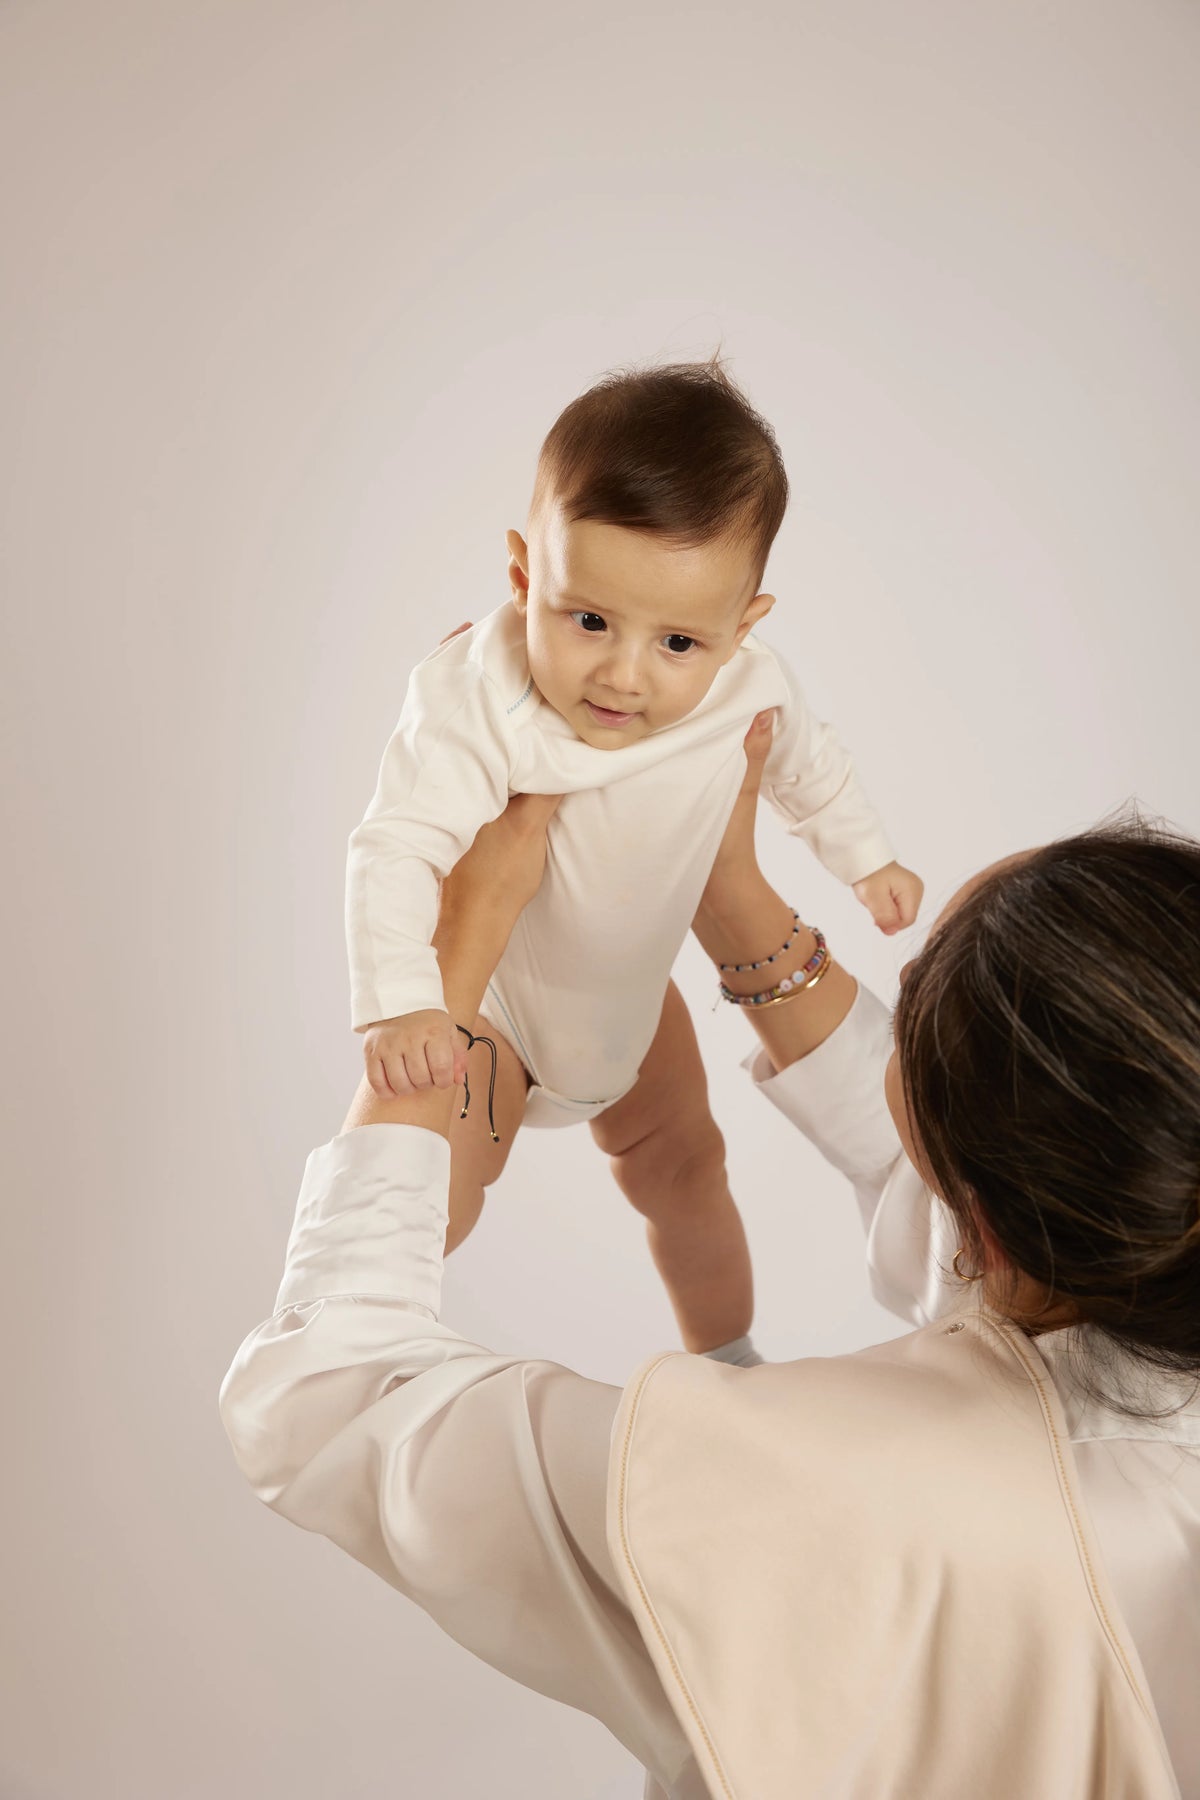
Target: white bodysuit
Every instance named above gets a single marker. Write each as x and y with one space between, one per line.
580 988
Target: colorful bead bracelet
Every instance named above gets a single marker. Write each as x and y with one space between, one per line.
814 970
740 968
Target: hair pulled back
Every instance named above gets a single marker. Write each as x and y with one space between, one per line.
1049 1040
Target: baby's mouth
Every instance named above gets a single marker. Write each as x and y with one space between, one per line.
604 715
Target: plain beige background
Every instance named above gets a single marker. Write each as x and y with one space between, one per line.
292 293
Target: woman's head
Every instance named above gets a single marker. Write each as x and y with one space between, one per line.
1047 1079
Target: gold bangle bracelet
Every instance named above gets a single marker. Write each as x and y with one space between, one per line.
820 975
800 988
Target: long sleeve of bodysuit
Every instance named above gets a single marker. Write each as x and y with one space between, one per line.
812 784
444 774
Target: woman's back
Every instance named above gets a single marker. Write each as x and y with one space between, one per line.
886 1582
1139 1476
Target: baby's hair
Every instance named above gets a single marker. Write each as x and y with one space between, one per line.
675 450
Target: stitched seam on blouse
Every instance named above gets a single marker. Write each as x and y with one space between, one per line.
661 1634
1077 1527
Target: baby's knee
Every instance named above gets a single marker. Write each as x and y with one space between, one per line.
666 1169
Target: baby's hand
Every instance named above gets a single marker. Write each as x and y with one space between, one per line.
417 1050
892 896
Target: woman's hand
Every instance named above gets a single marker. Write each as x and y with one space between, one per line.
739 910
741 919
736 854
485 893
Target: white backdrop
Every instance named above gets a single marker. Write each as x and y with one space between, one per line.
293 293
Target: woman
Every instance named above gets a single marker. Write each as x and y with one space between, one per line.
963 1563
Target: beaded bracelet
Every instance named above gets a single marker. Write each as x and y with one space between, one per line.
814 970
777 998
740 968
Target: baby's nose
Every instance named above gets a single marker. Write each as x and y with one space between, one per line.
621 670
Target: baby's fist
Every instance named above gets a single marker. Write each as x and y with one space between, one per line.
416 1051
892 896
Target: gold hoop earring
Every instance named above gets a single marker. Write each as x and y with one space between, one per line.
958 1271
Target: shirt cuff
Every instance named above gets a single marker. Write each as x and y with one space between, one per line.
834 1095
416 993
371 1219
871 853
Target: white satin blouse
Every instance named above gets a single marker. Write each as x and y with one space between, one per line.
475 1483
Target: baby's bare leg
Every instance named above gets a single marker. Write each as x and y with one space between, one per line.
668 1158
475 1162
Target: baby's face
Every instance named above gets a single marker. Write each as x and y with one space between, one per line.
626 634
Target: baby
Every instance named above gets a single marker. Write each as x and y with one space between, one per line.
622 674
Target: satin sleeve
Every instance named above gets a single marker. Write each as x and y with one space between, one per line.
472 1483
835 1096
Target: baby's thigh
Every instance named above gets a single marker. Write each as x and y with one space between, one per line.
664 1120
475 1161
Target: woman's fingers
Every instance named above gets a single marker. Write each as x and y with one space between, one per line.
737 845
756 743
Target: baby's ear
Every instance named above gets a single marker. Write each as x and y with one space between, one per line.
518 570
758 609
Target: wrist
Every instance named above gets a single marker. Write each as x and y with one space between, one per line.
741 918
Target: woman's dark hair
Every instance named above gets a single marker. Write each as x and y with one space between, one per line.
676 451
1049 1040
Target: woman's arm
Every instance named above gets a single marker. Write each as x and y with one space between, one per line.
481 900
742 919
826 1047
472 1483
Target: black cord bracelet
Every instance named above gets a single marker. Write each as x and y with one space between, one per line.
472 1040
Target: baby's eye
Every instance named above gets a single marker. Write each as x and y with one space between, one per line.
677 644
588 621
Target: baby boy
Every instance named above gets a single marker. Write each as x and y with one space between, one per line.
622 673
